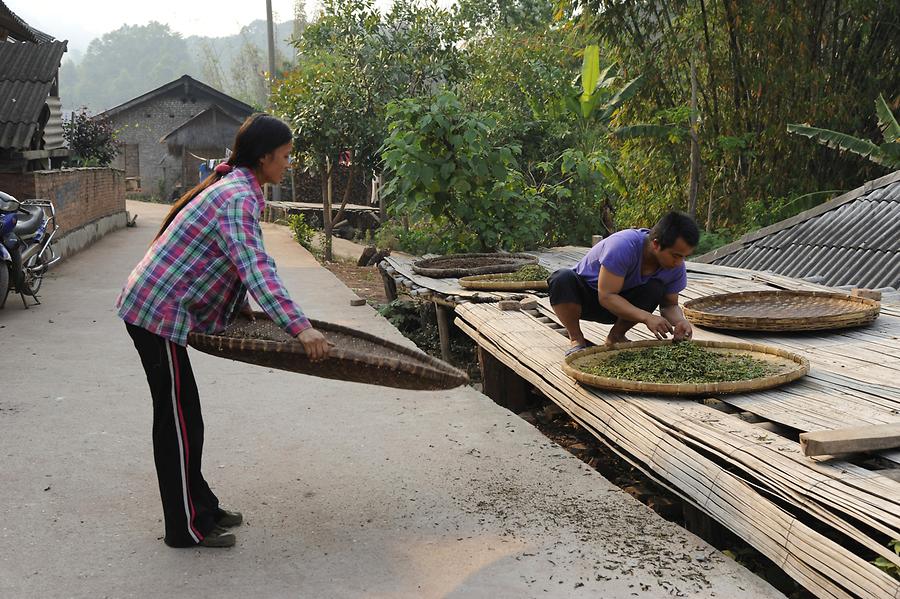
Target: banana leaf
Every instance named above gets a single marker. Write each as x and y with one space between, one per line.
886 121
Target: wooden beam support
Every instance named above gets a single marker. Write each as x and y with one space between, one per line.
502 384
876 437
390 286
443 322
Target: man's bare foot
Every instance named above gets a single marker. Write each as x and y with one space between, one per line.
612 339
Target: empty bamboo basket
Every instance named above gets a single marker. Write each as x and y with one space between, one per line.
781 310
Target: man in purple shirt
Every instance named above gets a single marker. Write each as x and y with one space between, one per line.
623 279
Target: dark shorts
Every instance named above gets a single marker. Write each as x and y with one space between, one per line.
566 287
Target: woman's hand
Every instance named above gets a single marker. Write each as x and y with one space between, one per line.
314 343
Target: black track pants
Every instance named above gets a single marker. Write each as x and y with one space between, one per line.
189 505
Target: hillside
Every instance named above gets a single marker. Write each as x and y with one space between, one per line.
133 60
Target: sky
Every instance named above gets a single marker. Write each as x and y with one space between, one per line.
80 21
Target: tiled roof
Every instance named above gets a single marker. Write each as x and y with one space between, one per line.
187 84
27 72
852 240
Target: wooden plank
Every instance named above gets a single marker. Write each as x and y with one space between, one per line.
850 440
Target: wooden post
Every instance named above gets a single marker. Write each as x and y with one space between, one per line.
382 209
502 384
443 322
699 523
390 286
595 239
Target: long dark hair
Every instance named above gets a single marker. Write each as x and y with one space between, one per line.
259 135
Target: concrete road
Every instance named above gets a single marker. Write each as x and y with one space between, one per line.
348 490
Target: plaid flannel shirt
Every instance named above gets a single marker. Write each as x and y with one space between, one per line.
196 275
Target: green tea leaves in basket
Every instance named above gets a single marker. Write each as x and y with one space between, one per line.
675 363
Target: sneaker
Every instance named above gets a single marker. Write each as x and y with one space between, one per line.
218 537
227 518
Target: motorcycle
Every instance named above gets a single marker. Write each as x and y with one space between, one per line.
25 251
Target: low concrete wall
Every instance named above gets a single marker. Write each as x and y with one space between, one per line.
76 240
90 202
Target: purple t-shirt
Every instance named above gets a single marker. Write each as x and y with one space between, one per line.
622 253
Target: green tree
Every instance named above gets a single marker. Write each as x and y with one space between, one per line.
350 64
487 17
887 154
759 67
444 169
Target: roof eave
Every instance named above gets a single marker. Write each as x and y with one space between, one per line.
832 204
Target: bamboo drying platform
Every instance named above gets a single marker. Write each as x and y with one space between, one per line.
446 293
737 457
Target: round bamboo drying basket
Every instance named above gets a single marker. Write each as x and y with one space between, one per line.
382 363
486 283
474 264
791 367
781 310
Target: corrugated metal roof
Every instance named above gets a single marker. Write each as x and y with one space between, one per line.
27 73
26 61
18 29
855 243
53 130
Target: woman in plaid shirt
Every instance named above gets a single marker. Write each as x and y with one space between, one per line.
195 277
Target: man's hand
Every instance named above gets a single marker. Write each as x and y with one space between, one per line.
659 326
683 331
314 343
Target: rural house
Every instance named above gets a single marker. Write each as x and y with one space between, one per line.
165 133
30 109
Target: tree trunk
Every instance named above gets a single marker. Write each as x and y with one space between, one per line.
695 147
346 189
326 212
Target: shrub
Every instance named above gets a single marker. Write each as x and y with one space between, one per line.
301 231
92 139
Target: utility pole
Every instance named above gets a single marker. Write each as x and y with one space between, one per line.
276 189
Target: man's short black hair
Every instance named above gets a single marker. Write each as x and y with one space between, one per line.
672 226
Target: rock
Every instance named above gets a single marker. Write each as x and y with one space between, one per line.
378 257
509 305
872 294
529 304
357 301
366 255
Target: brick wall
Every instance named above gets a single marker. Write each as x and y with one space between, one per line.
81 195
19 186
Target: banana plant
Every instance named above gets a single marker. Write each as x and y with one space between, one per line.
886 154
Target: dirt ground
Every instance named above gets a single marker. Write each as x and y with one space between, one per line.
365 281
